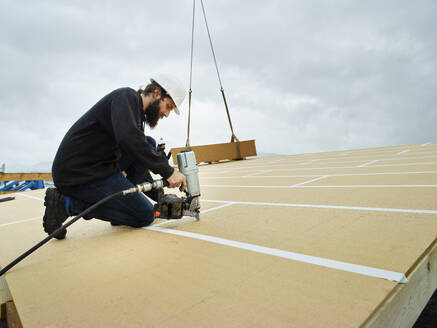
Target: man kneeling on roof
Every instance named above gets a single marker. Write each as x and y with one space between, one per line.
107 140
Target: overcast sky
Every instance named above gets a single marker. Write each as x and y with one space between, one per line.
299 76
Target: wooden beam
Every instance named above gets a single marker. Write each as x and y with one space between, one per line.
3 311
7 192
25 176
218 152
12 318
405 302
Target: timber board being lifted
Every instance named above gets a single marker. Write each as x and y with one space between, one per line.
218 152
178 275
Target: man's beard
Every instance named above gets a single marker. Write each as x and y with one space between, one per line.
152 113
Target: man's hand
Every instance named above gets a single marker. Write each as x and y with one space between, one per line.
177 179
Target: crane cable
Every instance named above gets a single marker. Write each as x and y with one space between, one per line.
233 137
187 144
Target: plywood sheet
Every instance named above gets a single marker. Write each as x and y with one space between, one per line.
343 235
21 208
276 170
402 198
394 179
268 182
104 276
101 276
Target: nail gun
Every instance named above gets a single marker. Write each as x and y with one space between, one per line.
170 206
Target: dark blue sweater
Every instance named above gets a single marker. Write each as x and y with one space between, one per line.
93 146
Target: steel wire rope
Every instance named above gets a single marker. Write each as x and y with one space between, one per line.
187 144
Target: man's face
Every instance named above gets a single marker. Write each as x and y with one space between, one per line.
166 105
158 109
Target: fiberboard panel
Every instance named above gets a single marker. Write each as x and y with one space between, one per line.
101 276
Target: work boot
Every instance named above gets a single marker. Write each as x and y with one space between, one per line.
55 213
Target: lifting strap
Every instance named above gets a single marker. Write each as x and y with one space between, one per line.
233 137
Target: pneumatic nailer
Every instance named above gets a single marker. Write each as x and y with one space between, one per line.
170 206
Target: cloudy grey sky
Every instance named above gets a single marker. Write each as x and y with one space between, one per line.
300 76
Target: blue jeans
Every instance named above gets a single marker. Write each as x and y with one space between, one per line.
133 210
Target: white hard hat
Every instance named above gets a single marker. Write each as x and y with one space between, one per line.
173 87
